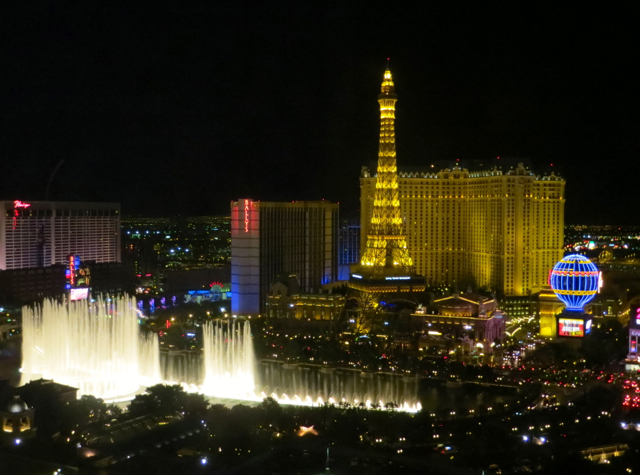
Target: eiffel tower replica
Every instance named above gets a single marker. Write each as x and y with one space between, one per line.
386 265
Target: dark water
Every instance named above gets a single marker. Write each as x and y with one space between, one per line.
460 397
315 384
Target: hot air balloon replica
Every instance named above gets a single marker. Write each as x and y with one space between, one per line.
575 280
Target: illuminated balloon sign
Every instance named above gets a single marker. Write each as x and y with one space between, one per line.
575 280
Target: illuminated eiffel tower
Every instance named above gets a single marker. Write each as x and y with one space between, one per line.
386 247
385 256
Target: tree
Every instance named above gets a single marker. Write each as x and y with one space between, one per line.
80 413
168 398
196 404
270 405
142 405
114 411
366 311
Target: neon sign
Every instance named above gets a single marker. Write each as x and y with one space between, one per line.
18 204
216 283
246 216
574 279
72 269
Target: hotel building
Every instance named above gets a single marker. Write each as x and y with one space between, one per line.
44 233
273 238
485 224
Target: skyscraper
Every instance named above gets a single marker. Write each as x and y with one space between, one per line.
270 238
489 223
44 233
385 262
349 239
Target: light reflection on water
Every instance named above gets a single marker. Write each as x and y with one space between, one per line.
312 385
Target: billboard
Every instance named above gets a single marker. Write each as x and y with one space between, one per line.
78 293
573 327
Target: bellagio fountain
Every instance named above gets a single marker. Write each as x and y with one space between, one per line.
96 346
100 347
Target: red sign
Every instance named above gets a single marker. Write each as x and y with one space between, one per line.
246 216
18 204
72 269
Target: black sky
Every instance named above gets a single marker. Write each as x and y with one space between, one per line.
180 107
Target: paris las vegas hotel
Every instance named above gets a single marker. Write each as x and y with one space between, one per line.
491 223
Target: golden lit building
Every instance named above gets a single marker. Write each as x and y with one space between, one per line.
386 265
549 306
469 317
286 301
483 224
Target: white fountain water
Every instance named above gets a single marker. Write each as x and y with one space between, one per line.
229 361
94 346
99 348
149 359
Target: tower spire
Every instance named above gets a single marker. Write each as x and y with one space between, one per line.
386 248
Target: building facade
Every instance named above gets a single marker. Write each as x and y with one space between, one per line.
487 226
25 286
349 239
286 301
44 233
273 238
469 317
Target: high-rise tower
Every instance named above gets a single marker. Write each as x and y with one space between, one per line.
386 265
272 238
386 247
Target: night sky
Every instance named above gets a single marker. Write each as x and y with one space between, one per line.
180 109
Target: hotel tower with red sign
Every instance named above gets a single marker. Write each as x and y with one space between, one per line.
45 233
272 238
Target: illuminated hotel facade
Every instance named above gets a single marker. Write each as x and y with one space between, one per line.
44 233
273 238
386 264
481 225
